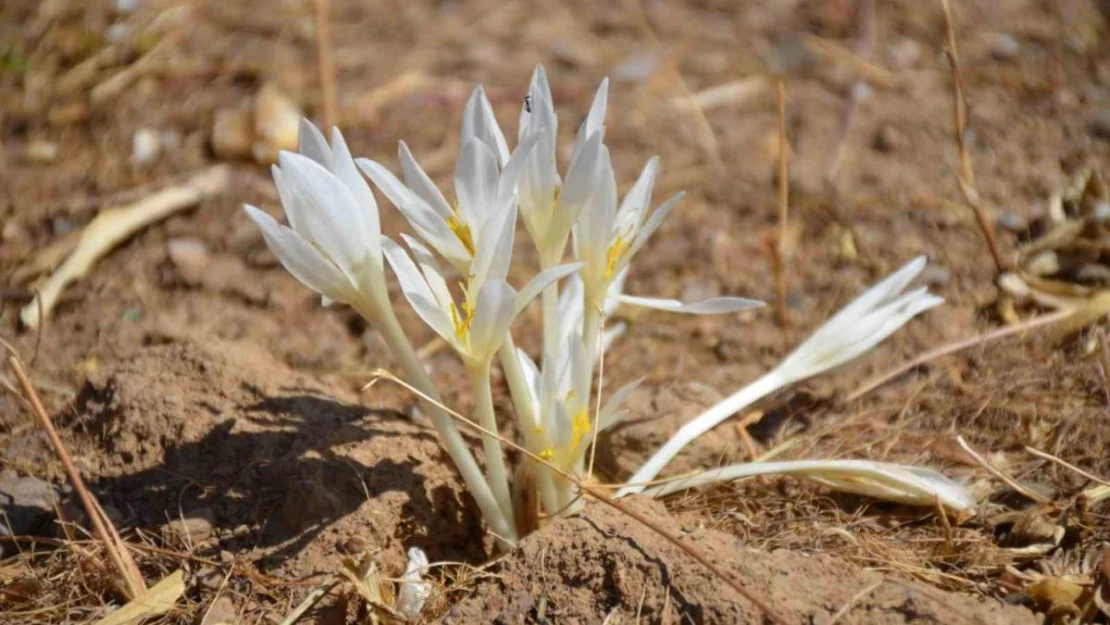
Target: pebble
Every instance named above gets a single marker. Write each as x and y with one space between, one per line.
232 134
189 257
221 612
194 526
1004 47
40 151
1011 221
1099 124
146 146
890 139
904 53
636 67
277 123
26 503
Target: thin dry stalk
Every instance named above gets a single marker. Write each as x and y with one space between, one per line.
864 46
1067 465
983 462
960 108
113 544
784 203
602 497
312 599
958 346
325 62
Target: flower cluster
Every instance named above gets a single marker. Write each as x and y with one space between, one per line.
454 273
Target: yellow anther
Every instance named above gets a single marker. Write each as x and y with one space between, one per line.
546 453
462 232
461 321
613 255
580 427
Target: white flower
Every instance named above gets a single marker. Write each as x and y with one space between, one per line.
485 185
477 325
861 325
413 593
549 205
858 327
332 244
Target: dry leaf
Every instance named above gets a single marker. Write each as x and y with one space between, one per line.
157 600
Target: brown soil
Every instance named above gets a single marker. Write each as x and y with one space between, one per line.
222 391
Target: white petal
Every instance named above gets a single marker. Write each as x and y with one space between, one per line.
652 224
343 166
636 201
301 259
583 175
509 179
711 306
493 314
408 276
334 220
495 246
537 110
540 281
311 143
432 273
595 119
889 287
476 183
480 123
612 408
295 206
420 183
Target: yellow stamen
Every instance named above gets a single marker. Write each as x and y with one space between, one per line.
580 427
616 249
462 232
546 453
462 321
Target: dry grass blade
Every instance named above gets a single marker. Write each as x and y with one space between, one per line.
156 601
784 203
1067 465
325 62
999 474
312 599
603 498
114 226
966 176
129 572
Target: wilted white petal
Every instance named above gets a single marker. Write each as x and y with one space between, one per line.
301 259
413 592
540 281
712 306
914 486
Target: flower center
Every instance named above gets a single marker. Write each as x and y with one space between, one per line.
462 317
613 255
580 427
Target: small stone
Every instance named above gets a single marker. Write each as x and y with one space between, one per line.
194 526
1044 264
190 259
890 139
277 123
905 53
637 67
935 275
26 503
221 612
1099 124
1003 47
1011 222
146 145
233 134
40 151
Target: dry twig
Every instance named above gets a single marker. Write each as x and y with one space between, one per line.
113 226
983 462
784 203
966 176
113 544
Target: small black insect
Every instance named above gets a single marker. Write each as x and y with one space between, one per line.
528 103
